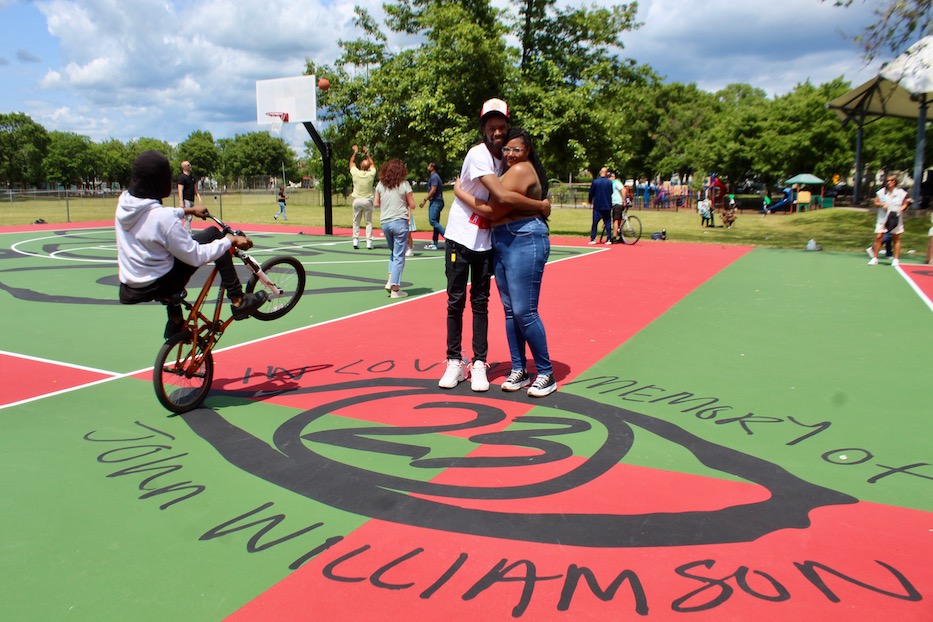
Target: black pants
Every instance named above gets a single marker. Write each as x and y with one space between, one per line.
463 264
177 278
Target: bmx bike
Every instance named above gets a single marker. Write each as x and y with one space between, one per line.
184 366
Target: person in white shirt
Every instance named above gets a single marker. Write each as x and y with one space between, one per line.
891 201
155 254
468 247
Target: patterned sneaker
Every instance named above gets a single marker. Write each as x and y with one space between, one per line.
543 385
453 375
516 380
478 380
430 247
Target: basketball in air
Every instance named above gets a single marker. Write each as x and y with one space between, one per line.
323 84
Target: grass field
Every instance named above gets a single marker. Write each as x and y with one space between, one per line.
838 229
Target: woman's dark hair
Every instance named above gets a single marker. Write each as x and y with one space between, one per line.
393 173
517 132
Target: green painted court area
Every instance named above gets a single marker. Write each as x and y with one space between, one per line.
739 434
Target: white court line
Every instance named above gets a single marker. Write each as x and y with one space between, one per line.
59 363
915 287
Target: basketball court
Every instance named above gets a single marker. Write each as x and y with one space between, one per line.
739 434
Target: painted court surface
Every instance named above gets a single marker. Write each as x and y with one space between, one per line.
739 434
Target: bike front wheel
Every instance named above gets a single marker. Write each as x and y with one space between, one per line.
288 275
183 373
630 232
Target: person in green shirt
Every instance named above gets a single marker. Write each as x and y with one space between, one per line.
363 177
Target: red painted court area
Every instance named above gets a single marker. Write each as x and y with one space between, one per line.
25 378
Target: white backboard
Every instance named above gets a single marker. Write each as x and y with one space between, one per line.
295 96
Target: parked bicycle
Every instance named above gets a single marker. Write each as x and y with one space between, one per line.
184 366
630 229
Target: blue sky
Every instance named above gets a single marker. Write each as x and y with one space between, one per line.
164 68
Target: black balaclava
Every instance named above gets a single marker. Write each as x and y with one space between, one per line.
151 176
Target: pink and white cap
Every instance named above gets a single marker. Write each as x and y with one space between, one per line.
494 106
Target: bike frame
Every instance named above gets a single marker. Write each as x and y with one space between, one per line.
207 330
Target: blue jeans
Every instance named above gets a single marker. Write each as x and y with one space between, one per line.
396 234
435 207
520 250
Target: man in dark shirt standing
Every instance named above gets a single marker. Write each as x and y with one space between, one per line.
601 200
187 191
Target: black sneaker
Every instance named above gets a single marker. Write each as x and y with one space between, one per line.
248 304
543 385
516 380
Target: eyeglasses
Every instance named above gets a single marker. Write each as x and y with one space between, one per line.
515 150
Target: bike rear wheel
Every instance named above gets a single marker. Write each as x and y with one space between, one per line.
287 274
630 232
180 382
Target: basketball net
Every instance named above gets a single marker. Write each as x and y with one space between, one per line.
278 118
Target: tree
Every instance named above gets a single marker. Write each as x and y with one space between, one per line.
259 154
23 144
199 149
569 39
69 159
899 23
113 162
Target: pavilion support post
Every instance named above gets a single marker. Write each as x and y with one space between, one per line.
857 186
921 146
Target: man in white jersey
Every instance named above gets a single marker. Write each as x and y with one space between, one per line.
469 247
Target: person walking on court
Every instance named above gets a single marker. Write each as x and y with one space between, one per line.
363 177
891 202
281 199
395 200
187 191
468 247
435 201
601 199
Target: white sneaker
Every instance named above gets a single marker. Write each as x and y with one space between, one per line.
453 375
478 380
516 380
356 244
397 293
388 286
409 253
369 244
871 252
873 261
430 247
895 262
543 385
592 242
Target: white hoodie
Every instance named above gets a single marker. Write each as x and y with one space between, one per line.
150 237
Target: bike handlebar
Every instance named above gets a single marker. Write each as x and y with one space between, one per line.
223 226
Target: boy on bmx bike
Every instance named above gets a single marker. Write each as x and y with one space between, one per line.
157 257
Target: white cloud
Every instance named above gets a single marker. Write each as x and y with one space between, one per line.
164 68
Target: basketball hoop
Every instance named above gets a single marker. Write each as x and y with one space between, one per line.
278 118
